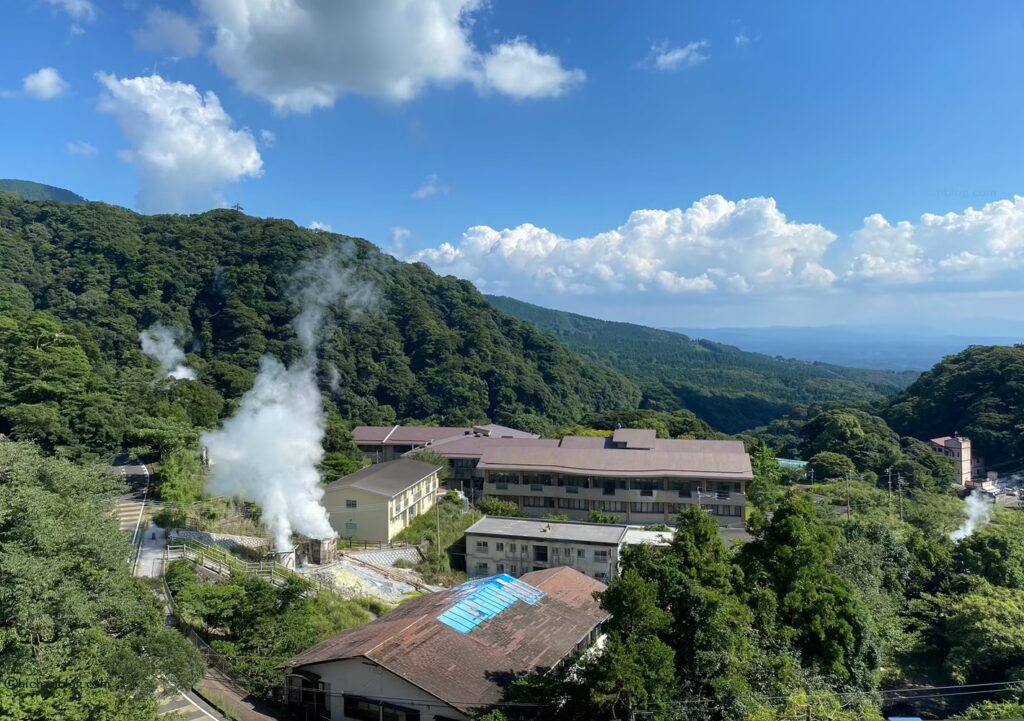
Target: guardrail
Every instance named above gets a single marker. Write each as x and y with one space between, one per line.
221 562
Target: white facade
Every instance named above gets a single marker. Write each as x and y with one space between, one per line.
364 687
486 556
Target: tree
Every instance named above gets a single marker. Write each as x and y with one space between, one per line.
994 552
828 465
83 640
596 516
491 506
817 706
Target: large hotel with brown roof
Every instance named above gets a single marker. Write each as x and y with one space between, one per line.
633 475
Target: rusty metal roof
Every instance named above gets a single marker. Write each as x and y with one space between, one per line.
470 670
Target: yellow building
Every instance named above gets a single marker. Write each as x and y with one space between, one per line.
377 502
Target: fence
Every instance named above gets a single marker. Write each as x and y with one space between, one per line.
221 562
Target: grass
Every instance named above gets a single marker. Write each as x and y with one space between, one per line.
452 522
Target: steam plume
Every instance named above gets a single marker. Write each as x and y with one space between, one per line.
160 343
978 510
269 452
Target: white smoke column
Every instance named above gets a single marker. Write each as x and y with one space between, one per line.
269 452
160 343
978 510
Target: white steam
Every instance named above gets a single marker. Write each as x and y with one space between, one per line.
160 343
978 509
269 452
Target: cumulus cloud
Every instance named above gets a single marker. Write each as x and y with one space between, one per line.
317 225
519 70
44 84
81 148
399 235
267 138
182 142
301 55
665 57
741 39
168 32
714 245
431 186
971 245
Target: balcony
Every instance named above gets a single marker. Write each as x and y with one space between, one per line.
536 487
574 490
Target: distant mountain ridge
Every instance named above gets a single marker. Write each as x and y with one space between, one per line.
732 389
30 190
881 347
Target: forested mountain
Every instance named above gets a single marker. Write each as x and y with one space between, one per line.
30 190
731 389
980 393
79 282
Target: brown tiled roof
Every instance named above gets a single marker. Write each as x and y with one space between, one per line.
388 479
641 438
474 446
583 442
700 460
470 670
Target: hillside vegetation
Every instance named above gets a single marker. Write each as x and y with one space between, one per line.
731 389
79 282
980 393
30 190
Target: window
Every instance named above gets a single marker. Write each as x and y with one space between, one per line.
610 506
511 548
538 502
580 553
482 568
350 503
646 488
647 508
365 709
600 555
481 546
573 504
540 554
501 568
499 546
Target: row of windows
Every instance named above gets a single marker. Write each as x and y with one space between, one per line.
610 485
577 504
500 546
483 568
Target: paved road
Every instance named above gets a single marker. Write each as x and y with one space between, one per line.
130 509
186 705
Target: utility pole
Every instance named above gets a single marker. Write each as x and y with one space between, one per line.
848 510
899 484
889 471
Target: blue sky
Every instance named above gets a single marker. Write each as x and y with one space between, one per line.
759 136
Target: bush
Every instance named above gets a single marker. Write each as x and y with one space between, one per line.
828 465
491 506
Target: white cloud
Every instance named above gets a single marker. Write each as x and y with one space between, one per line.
317 225
665 57
267 138
301 55
431 186
168 32
45 84
955 247
79 147
741 39
519 70
399 236
182 142
714 245
78 10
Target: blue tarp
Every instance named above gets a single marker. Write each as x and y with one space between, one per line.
486 598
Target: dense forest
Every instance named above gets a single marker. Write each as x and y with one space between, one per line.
731 389
79 282
39 191
80 639
978 392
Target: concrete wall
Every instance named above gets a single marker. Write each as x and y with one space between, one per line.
361 677
487 555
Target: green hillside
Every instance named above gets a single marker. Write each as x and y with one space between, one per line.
978 392
79 282
731 389
37 191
